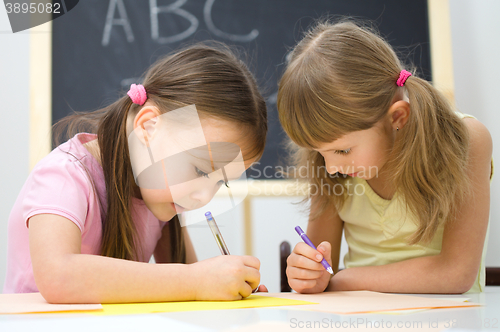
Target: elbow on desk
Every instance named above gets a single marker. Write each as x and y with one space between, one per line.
459 280
53 295
51 289
466 283
57 292
58 286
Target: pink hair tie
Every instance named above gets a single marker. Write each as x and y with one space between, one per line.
403 76
138 94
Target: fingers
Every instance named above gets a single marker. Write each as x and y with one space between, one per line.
251 261
304 286
263 289
244 281
306 251
325 248
304 263
246 273
305 272
252 277
246 290
305 257
227 277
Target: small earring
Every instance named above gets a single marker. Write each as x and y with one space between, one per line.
397 128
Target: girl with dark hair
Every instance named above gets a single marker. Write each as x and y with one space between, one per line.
84 228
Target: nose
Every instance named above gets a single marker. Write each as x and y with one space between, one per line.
203 195
331 168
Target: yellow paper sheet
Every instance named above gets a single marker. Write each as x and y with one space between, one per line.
253 301
34 302
356 302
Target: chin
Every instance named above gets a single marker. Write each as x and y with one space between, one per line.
166 216
367 178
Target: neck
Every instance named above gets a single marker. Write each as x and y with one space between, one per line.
383 185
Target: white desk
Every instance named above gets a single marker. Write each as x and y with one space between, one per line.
486 317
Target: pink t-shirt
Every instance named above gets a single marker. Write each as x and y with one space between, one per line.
59 184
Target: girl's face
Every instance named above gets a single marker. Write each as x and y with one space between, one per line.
193 178
361 153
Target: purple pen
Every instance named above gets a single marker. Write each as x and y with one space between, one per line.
306 240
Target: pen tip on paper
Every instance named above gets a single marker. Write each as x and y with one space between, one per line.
330 270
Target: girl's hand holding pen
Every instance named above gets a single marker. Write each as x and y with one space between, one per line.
305 272
227 277
225 251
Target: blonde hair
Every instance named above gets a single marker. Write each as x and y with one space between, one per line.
342 78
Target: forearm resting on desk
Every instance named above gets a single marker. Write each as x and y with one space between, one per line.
80 278
430 274
64 275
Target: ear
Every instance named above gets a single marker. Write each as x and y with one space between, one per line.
147 118
399 113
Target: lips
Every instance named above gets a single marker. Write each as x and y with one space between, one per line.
178 208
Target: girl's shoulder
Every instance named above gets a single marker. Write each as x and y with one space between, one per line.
70 160
480 142
479 134
72 150
480 137
63 183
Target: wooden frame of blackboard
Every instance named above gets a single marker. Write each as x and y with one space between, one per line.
40 92
41 105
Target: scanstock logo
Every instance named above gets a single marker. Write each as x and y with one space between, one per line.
26 14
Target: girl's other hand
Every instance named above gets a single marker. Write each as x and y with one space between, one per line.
227 277
304 270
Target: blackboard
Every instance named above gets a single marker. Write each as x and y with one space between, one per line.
102 46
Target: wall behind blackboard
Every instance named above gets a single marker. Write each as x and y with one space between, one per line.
101 47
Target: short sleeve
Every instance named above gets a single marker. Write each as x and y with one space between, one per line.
60 187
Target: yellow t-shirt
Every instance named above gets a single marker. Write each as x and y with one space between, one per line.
376 230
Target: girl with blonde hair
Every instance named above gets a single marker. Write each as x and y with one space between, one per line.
390 164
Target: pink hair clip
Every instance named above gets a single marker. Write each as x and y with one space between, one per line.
138 94
403 76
